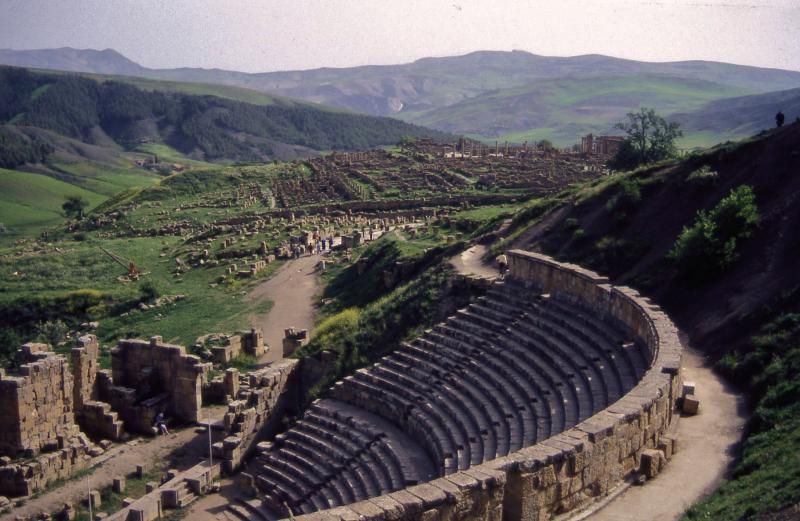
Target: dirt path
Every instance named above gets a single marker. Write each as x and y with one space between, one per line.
470 262
292 290
707 446
179 450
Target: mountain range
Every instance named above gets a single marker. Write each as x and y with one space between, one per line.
490 95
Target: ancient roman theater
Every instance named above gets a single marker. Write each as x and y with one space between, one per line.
543 394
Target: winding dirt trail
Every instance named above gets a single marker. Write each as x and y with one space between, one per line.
292 290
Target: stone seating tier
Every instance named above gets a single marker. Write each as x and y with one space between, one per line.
514 368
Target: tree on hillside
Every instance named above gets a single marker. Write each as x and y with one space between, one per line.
73 206
650 138
406 142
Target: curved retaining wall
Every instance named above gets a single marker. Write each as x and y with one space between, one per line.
570 469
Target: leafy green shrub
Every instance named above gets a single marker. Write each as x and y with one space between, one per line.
703 175
148 291
709 246
626 199
52 332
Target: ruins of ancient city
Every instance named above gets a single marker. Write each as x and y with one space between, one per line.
549 390
395 261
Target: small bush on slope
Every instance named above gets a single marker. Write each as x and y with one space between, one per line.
709 245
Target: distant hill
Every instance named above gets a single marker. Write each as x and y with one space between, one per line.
64 134
487 94
202 127
744 115
562 109
107 61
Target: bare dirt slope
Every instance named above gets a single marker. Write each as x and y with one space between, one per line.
719 314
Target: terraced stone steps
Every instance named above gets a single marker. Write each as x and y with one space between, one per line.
508 371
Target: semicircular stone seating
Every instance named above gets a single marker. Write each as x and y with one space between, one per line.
510 370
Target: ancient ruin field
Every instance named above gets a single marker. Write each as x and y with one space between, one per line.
193 231
388 299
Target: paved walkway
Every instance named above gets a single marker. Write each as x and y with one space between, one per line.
292 289
707 446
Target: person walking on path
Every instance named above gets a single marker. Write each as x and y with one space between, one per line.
502 265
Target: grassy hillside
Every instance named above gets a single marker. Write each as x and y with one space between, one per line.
230 92
29 201
724 266
734 118
90 134
564 109
204 127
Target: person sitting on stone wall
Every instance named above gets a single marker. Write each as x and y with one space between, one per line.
161 424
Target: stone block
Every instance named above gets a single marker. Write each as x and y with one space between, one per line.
141 470
688 388
651 463
150 486
691 405
94 497
118 484
68 512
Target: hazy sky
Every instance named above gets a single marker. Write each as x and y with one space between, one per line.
267 35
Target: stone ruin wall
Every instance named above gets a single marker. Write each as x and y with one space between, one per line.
36 407
175 380
262 397
574 467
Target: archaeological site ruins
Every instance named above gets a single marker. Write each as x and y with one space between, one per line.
539 397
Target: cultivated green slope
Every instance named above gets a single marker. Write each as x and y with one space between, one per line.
564 109
31 200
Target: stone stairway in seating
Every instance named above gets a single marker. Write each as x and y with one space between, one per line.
510 370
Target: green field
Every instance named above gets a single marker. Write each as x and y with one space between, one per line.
166 153
31 200
565 109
